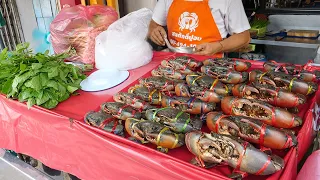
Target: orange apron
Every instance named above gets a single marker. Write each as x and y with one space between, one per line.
191 23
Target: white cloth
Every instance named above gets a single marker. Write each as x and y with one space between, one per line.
229 15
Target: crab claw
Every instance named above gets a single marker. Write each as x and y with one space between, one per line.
257 75
192 139
182 89
243 90
262 111
166 63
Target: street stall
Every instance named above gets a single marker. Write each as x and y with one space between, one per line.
142 114
62 140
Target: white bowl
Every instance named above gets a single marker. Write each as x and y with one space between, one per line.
103 79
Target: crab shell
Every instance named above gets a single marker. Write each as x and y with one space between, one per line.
153 132
208 83
120 110
262 111
253 160
190 105
227 62
96 119
130 99
182 62
168 73
224 74
175 119
160 83
153 96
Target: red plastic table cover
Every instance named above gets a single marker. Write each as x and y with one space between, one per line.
60 139
310 169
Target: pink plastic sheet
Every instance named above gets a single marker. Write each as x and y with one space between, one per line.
61 140
311 167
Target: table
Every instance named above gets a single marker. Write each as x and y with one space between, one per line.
60 140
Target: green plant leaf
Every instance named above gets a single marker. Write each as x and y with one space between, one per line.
25 95
44 98
71 89
23 66
7 86
34 83
44 79
50 104
53 72
31 102
36 65
53 84
21 79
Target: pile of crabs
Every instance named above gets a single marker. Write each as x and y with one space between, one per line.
238 106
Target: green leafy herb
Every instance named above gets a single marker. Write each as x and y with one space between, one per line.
38 79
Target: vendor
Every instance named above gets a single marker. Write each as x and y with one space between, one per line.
203 24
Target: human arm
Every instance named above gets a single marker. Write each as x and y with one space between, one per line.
237 25
231 44
156 33
159 20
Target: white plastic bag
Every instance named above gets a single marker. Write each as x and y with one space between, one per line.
123 46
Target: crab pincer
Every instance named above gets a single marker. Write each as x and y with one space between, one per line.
260 110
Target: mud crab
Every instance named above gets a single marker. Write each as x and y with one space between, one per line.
177 120
260 110
250 130
227 62
120 110
105 122
224 74
155 133
130 99
270 94
153 96
168 73
182 63
293 84
204 94
241 155
208 83
160 83
190 105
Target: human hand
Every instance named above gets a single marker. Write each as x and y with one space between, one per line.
208 49
157 35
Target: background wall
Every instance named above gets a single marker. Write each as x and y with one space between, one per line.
133 5
36 16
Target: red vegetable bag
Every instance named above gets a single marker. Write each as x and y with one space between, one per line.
78 27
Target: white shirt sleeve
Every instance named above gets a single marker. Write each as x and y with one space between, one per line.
236 19
160 13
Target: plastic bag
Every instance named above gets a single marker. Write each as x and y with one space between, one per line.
77 27
123 46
